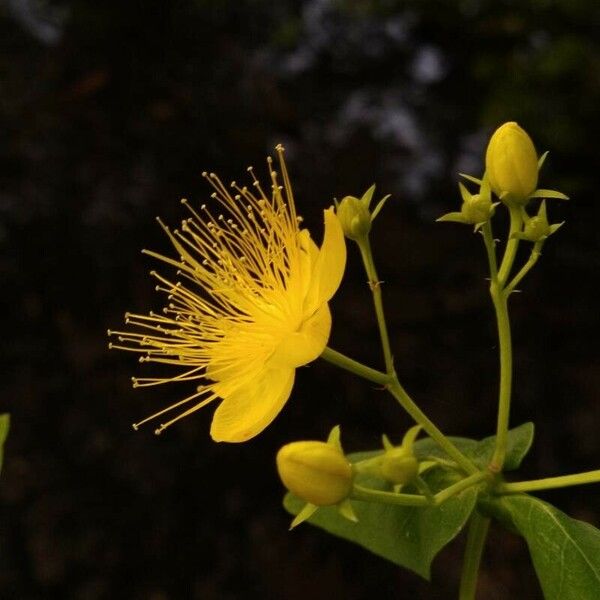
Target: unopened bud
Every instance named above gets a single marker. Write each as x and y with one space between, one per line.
317 472
399 465
512 163
477 209
354 217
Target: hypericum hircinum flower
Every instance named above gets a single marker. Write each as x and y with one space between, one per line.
248 305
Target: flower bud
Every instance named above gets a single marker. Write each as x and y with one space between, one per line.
537 228
511 163
399 465
354 217
477 209
317 472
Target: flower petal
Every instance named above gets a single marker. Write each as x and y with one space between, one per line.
247 411
329 266
306 344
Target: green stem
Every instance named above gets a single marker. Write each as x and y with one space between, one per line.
408 404
367 256
490 247
340 360
368 495
516 223
478 528
533 258
459 486
394 387
550 483
500 301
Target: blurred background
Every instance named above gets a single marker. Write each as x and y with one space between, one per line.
109 113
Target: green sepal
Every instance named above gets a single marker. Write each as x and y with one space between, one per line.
379 206
345 509
549 195
471 178
367 197
333 439
542 160
454 217
306 513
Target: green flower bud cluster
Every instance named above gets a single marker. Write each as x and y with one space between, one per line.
476 208
354 214
512 173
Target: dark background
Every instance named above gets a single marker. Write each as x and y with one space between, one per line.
110 111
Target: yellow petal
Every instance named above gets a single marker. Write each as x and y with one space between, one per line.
329 265
306 344
247 411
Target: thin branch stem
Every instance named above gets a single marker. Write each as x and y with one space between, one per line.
368 495
549 483
512 245
340 360
367 256
408 404
478 529
395 388
533 258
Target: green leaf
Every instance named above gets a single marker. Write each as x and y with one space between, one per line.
565 551
518 445
4 425
407 536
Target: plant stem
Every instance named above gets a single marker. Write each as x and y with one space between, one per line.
478 528
375 285
550 483
341 360
500 300
368 495
394 387
533 258
408 404
490 246
516 222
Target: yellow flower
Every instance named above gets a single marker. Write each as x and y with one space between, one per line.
250 305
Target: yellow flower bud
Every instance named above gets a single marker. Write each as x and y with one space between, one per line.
399 465
511 163
354 217
316 472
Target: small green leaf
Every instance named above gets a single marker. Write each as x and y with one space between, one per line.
542 159
4 425
407 536
565 551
